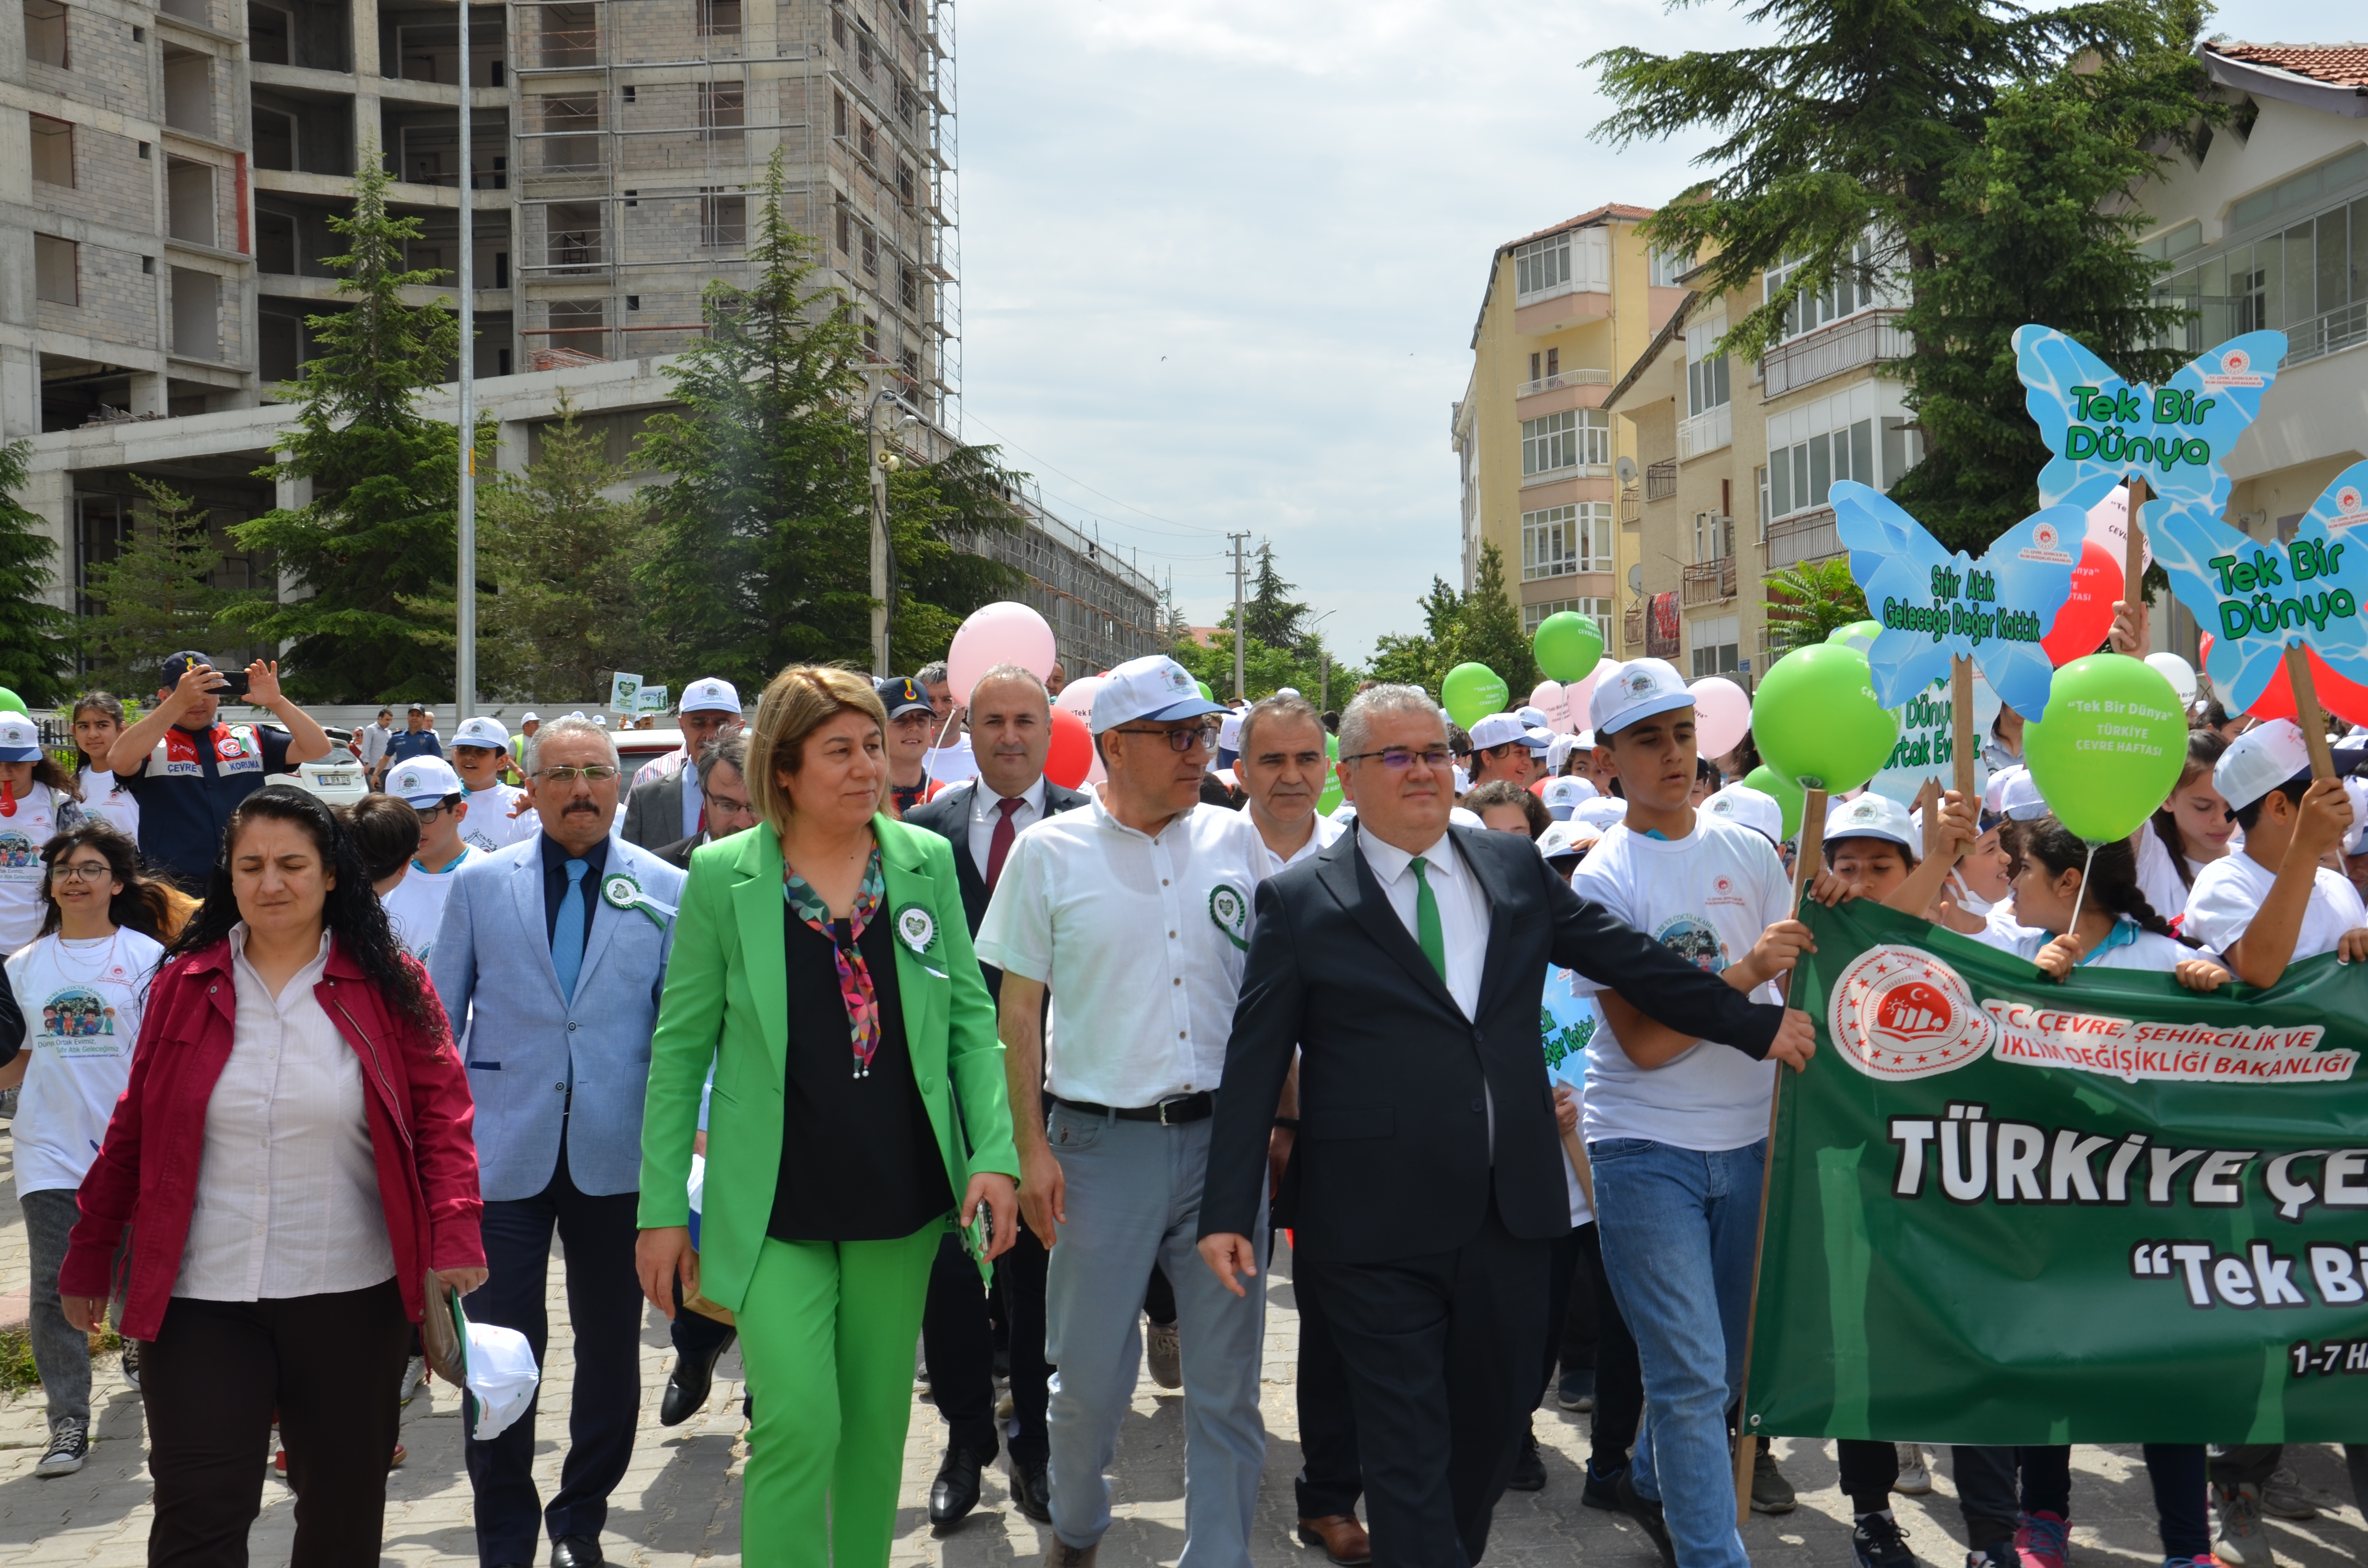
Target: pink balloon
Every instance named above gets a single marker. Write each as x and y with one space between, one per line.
1580 694
1077 696
999 633
1550 701
1721 715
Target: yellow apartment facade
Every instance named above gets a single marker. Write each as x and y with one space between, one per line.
1544 466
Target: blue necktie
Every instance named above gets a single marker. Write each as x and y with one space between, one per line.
567 937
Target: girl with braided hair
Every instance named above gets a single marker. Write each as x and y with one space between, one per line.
2054 873
2192 828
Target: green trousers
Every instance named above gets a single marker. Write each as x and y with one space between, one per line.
826 1335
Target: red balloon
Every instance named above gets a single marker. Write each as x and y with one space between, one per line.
2087 615
1073 750
2346 699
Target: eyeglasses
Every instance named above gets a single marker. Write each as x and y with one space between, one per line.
86 873
1181 740
729 806
598 773
429 814
1397 760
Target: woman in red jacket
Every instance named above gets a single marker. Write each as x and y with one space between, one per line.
294 1142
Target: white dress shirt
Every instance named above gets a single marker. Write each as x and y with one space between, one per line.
1463 907
287 1199
1142 941
986 809
1326 833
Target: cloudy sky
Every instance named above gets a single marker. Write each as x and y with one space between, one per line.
1221 258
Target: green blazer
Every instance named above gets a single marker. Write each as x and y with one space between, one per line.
726 1003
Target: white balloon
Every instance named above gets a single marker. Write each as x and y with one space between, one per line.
2109 525
2178 671
1077 696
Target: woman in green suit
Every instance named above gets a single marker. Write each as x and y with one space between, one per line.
822 965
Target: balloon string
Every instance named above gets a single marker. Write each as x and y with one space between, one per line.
2081 897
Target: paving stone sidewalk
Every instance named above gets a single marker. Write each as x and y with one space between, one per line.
680 1502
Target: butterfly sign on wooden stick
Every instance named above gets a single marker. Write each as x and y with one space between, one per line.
1943 612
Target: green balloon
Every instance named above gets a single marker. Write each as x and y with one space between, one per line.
1789 797
1206 695
10 702
1858 635
1818 722
1568 645
1471 692
2112 746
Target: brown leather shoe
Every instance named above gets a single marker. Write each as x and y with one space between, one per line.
1342 1537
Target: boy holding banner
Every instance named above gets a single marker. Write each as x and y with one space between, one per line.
2272 901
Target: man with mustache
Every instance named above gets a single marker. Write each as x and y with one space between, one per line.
561 944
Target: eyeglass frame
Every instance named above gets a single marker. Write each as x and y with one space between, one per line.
592 773
82 872
1440 755
1203 732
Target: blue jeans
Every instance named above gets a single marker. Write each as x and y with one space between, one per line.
1679 1228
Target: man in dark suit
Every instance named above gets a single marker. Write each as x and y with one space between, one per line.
1011 732
1406 963
724 789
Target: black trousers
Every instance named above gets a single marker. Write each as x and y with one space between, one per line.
1987 1491
1021 1273
1331 1478
958 1342
1445 1342
1595 1334
210 1381
604 1311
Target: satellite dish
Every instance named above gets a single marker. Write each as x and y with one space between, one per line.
1626 468
1636 579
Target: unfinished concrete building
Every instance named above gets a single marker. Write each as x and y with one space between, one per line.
167 172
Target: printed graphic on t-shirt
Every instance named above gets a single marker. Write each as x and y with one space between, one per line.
20 857
1690 937
78 1021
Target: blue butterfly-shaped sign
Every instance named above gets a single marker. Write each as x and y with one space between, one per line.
2176 438
2255 598
1935 605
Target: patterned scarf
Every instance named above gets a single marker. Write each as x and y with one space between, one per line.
854 978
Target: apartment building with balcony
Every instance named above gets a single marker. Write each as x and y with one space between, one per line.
1739 458
168 172
1539 456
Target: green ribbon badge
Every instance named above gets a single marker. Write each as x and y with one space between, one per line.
915 927
1229 911
622 892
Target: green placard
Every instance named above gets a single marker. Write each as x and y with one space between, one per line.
2005 1210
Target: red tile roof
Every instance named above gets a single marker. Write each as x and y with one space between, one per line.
2337 65
1614 209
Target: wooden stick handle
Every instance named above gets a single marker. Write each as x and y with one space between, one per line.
1964 751
2134 557
2308 714
1575 1147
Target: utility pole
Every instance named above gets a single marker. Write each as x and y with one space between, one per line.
464 663
1241 633
875 386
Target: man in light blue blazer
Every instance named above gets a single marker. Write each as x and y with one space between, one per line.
551 955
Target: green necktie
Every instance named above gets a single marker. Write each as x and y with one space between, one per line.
1426 919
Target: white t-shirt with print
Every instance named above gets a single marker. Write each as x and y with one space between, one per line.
2228 894
2136 950
951 764
103 796
2159 876
416 906
82 1004
1708 897
28 823
489 825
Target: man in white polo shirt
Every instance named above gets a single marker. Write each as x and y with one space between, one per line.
1134 912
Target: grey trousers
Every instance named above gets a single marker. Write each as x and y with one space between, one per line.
61 1351
1133 1199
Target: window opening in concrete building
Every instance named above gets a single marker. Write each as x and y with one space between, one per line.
719 19
1577 438
55 274
189 91
568 35
53 159
275 243
269 31
189 200
275 139
580 325
724 112
45 33
722 220
281 340
196 314
574 237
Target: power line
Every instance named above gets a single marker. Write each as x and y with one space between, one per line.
1191 529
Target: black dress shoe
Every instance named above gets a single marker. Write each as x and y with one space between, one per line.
1529 1469
688 1385
955 1491
1031 1489
576 1552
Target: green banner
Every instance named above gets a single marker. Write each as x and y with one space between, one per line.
2006 1211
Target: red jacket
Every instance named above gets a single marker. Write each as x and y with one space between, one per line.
146 1175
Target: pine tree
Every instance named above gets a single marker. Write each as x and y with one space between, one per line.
37 638
763 554
1272 618
940 515
1413 658
378 537
557 609
157 595
1488 630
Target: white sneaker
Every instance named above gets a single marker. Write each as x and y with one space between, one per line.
415 1372
1915 1471
69 1443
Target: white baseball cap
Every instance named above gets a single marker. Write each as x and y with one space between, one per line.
482 731
2258 761
1156 687
1599 812
1873 816
1638 690
1564 796
1534 718
1229 733
709 695
20 739
531 718
1558 839
1746 807
1504 729
1586 740
424 782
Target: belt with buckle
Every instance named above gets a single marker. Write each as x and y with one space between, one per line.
1170 1112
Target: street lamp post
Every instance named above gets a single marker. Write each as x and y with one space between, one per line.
464 663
